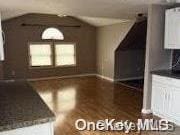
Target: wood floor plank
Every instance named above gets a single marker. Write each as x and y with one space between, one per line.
92 99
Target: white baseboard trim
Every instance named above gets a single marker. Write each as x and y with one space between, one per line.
130 78
68 76
72 76
105 77
146 111
61 77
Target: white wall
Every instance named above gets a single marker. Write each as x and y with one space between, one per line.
156 56
108 39
1 43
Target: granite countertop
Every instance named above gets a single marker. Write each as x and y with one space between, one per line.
21 106
167 73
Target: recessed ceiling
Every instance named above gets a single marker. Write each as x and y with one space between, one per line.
121 9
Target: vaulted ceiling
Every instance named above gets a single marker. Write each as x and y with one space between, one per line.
85 9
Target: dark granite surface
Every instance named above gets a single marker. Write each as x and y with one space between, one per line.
167 73
21 106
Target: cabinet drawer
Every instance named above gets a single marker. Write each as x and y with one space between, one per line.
42 129
166 80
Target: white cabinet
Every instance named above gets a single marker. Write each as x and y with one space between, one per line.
172 29
41 129
157 98
175 103
166 98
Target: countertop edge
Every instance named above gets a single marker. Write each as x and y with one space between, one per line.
166 73
26 124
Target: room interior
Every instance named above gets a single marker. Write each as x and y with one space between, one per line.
60 62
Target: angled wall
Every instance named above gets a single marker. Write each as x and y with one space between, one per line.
108 39
130 55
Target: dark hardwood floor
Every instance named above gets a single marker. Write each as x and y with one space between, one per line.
137 84
92 99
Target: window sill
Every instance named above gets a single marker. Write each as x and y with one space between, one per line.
73 65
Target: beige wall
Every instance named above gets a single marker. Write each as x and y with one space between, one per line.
108 39
156 56
16 64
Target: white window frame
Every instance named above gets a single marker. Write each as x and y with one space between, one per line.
29 55
75 57
52 33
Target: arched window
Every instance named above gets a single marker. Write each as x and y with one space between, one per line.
52 33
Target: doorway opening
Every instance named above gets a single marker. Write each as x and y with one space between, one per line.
130 56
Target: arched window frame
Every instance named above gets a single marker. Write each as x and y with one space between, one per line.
52 33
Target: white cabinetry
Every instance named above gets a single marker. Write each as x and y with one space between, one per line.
166 98
42 129
175 104
172 29
158 98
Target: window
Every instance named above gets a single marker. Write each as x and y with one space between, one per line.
55 54
65 54
52 54
40 55
52 33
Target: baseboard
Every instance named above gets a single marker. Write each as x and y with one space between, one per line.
61 77
130 78
72 76
146 111
68 76
105 77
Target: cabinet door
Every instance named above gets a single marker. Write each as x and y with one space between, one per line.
158 98
172 30
174 100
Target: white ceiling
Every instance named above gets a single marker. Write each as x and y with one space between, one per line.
84 9
101 21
